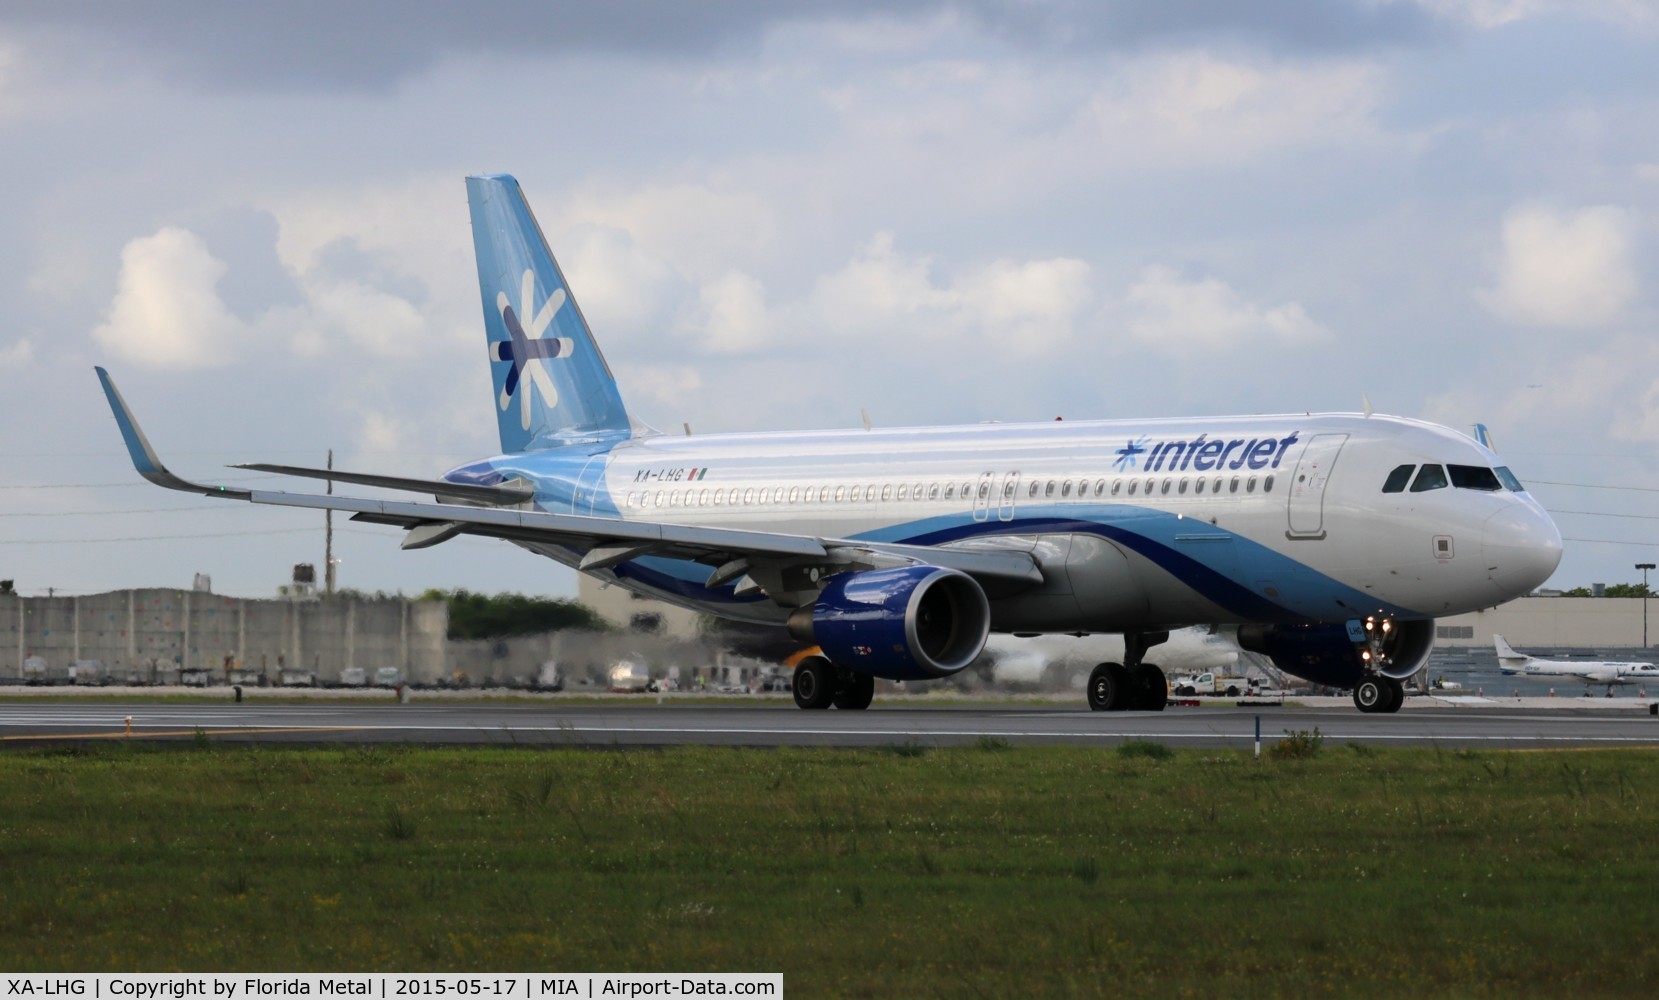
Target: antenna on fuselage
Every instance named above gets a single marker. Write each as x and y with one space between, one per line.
687 427
1365 401
865 416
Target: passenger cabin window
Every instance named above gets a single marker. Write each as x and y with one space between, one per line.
1117 484
887 491
1397 480
1430 477
1474 477
950 491
1267 485
1048 490
1065 488
933 492
1033 490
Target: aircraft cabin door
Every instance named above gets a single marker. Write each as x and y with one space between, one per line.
590 485
1009 495
982 497
1307 485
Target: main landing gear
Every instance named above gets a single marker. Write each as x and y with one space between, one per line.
1133 684
1379 694
820 684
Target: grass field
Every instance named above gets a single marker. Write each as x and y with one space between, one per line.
983 871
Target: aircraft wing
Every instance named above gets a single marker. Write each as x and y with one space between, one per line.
596 542
504 495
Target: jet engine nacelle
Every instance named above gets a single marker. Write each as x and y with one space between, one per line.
1339 654
907 623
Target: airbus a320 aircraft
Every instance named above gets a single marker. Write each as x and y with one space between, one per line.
1609 672
1331 541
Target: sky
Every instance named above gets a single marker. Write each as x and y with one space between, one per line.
775 214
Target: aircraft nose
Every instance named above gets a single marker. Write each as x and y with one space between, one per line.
1522 547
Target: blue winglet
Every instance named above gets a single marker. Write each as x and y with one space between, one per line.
143 456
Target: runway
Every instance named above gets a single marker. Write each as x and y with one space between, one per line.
775 724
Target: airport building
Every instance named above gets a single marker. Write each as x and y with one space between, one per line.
167 635
1566 623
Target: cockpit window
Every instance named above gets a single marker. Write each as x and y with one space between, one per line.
1398 479
1474 477
1431 477
1509 481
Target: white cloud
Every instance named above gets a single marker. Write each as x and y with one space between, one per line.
616 282
1173 314
701 229
1568 269
1030 306
880 290
17 354
167 312
1496 13
413 233
732 315
1198 106
381 324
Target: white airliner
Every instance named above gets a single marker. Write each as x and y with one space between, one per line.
1331 541
1609 672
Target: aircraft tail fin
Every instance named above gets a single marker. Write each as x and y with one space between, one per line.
1506 655
552 385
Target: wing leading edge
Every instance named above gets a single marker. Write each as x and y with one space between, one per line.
597 542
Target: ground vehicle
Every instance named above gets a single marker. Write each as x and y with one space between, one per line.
550 677
296 678
1211 683
388 677
353 677
627 676
86 672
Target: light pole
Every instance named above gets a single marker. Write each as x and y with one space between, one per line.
1644 567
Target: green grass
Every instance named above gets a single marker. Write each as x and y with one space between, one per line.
979 871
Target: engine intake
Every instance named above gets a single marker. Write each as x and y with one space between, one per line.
908 623
1339 654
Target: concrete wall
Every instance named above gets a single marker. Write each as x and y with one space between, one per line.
628 610
152 634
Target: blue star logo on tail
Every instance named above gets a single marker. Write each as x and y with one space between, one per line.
525 347
1127 454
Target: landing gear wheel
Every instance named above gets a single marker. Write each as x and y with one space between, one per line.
1149 690
1396 697
855 691
1373 695
1108 688
814 684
